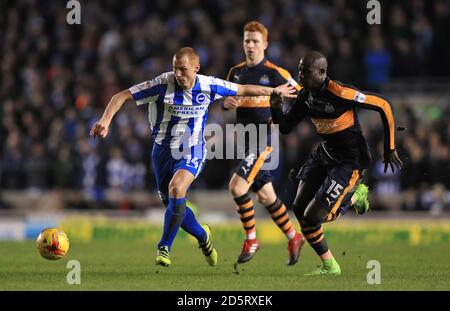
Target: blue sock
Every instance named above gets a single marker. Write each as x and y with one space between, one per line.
192 226
172 220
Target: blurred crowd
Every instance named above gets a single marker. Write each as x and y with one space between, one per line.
56 79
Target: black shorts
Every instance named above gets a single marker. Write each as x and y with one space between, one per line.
335 181
250 169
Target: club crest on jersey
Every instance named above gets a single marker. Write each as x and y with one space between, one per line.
200 98
359 97
264 80
250 159
329 108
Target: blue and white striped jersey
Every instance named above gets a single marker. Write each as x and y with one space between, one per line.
176 114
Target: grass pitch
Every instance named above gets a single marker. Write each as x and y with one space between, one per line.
128 265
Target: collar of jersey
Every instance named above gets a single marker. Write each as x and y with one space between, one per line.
258 65
176 83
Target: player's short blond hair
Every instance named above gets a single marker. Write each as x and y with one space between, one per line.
258 27
189 53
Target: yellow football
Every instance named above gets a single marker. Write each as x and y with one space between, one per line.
52 243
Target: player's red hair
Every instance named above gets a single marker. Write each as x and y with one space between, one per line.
258 27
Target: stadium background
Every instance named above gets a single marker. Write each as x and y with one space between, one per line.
56 79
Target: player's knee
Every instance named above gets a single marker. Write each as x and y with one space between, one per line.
298 212
235 189
265 199
311 220
313 217
177 190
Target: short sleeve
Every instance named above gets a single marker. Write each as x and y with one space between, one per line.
284 76
223 88
148 91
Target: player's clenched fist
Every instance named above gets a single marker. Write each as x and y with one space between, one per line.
99 129
231 103
276 101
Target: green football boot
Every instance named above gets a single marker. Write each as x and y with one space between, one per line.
361 204
328 267
208 250
162 256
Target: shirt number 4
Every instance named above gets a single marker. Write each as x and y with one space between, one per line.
192 161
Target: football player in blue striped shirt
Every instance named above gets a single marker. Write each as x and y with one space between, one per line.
178 104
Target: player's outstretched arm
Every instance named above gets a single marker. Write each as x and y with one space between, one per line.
375 102
286 122
285 90
100 128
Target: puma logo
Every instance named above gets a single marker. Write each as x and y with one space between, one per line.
250 159
329 201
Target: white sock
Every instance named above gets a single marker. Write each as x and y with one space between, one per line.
291 234
251 236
